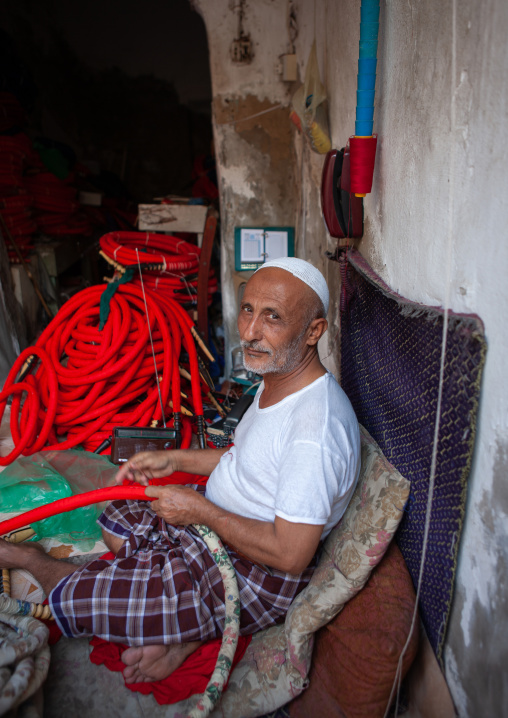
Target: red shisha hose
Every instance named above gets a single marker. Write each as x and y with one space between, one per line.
110 493
89 381
172 262
173 253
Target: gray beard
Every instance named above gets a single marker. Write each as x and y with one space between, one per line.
282 361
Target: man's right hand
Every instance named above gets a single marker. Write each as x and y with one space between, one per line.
147 465
154 464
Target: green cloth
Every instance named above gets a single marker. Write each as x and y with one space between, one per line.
109 292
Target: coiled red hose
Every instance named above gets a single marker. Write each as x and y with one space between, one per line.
88 381
177 260
173 253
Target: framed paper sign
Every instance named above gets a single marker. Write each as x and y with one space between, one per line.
256 245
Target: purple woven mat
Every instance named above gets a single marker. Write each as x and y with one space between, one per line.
390 362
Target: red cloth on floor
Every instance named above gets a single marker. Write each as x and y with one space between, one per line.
192 676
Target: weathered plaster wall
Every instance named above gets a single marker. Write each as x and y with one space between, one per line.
436 232
261 168
435 226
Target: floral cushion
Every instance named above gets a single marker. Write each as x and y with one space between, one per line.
276 664
351 551
356 655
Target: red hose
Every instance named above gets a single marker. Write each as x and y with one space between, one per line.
69 503
178 262
110 493
89 381
173 253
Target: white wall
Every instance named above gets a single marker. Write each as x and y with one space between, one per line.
436 232
435 228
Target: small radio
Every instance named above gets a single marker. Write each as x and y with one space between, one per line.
129 440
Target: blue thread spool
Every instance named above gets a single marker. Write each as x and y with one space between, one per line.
369 31
369 12
368 48
365 98
364 114
364 121
366 81
367 65
364 129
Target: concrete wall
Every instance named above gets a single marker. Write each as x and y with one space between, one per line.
435 224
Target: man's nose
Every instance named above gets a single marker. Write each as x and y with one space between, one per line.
251 329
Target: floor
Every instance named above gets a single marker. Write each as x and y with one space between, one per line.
75 686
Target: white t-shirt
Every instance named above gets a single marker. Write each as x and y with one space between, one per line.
298 459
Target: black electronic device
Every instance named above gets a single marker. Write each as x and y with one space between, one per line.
221 433
129 440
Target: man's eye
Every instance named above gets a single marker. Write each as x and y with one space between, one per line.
272 315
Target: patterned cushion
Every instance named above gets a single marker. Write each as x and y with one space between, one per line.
351 551
356 655
275 667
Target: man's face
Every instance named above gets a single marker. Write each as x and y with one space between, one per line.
273 322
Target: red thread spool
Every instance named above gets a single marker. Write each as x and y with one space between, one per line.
362 158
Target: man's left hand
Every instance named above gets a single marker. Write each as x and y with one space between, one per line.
177 505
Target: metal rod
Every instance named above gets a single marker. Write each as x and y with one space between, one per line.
151 340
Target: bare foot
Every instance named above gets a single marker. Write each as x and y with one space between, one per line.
17 555
145 664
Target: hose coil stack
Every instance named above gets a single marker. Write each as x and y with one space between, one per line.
81 382
170 264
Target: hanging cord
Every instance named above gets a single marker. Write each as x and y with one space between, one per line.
151 340
251 117
451 174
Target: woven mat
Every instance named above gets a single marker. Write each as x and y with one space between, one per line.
390 363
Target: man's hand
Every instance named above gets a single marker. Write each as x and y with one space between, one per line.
282 545
147 465
154 464
177 505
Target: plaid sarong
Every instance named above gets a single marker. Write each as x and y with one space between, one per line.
164 586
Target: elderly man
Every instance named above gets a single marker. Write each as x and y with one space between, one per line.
271 497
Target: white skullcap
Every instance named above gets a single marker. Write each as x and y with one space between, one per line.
304 271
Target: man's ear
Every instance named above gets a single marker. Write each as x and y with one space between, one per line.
315 331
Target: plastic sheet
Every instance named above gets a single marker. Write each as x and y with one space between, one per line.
47 476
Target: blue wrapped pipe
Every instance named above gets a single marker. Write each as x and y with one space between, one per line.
367 63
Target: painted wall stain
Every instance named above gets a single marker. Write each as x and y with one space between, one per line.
270 132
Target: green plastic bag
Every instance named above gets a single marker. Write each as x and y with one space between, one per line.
47 476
